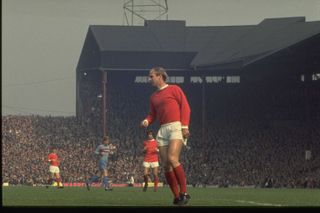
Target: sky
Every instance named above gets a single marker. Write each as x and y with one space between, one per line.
42 41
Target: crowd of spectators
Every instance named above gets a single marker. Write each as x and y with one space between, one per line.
242 140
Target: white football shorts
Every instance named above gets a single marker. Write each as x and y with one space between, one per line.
150 164
170 131
54 169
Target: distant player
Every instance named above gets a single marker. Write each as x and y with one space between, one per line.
54 168
103 151
150 160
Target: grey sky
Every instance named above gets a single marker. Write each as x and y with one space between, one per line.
42 41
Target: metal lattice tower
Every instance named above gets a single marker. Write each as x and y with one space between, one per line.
135 12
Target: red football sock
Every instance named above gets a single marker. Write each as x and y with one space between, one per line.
59 182
156 180
181 178
145 178
172 181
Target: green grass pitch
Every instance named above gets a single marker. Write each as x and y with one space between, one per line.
204 197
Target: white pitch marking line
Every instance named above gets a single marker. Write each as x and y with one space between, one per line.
257 203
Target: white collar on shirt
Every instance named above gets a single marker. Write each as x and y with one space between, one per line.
165 86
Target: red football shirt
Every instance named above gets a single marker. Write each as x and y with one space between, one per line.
168 105
53 158
151 152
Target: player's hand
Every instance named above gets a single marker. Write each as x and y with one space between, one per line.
185 133
144 124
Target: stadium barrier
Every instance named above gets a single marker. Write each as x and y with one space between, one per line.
151 184
81 184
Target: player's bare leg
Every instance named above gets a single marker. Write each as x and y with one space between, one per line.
50 180
156 179
93 179
145 178
106 180
58 179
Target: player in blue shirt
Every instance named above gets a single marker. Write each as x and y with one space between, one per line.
103 151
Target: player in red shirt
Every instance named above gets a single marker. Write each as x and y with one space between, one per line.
170 106
150 148
54 168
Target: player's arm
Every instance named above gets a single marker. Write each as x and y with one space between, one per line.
48 161
144 150
185 133
54 160
155 150
114 147
151 116
184 108
97 151
185 112
51 159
